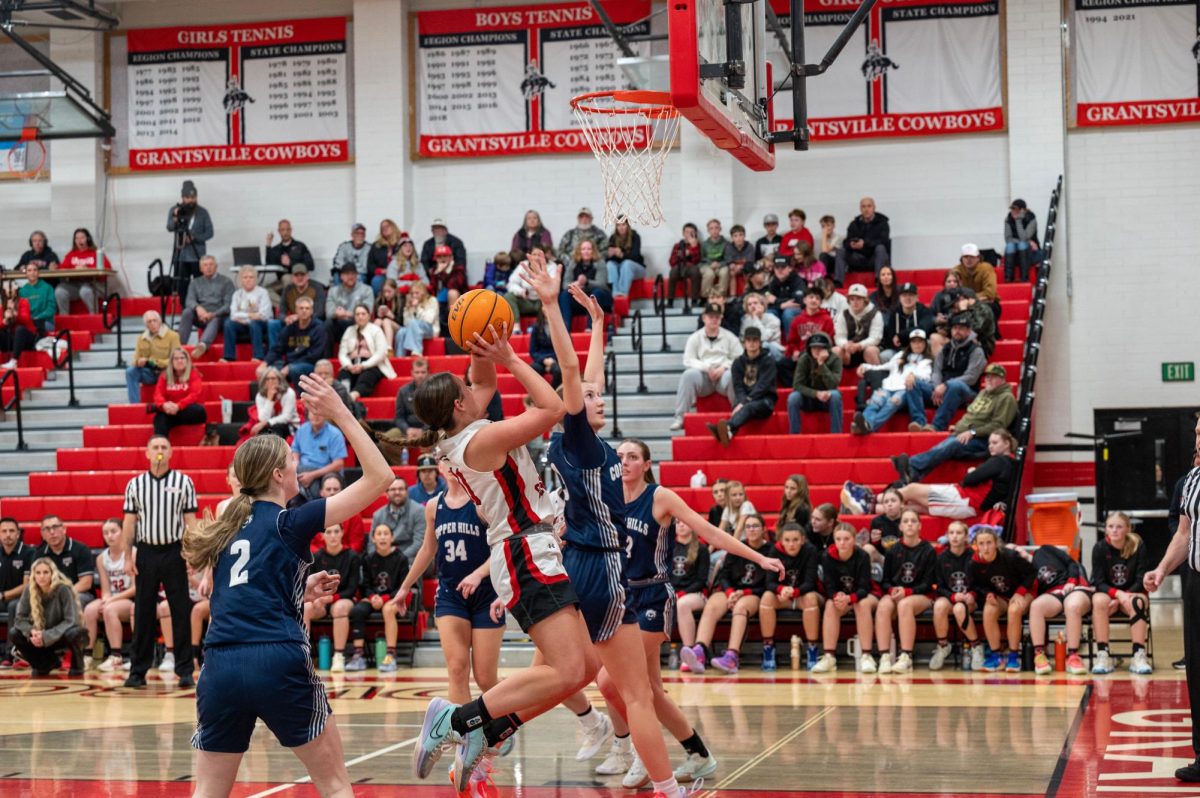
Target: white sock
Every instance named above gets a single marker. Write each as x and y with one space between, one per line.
623 744
669 787
590 719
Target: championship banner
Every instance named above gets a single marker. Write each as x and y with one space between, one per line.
915 68
260 93
499 80
1137 62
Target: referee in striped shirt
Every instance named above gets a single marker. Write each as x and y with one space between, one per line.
159 505
1185 545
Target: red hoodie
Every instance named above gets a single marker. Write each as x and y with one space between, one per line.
82 259
805 325
23 317
181 393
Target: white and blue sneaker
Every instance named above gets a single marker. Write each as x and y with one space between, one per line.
467 754
857 499
436 736
696 767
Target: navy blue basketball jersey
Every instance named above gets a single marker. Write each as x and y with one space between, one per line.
258 581
590 472
462 541
650 542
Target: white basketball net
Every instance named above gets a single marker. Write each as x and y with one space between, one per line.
630 134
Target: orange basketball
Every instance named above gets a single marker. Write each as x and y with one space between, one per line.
473 312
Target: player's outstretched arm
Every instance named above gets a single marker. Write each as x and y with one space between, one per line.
670 501
421 559
593 372
564 351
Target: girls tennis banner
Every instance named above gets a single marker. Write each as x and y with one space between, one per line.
915 68
238 95
499 80
1137 62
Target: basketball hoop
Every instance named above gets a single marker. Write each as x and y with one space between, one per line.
630 133
26 158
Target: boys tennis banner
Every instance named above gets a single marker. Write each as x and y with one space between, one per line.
238 95
499 80
1137 62
915 68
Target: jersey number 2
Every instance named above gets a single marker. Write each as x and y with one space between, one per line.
454 552
237 574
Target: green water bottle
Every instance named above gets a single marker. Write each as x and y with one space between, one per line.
380 651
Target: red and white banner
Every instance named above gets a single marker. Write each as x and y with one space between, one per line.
499 80
259 93
1137 62
915 68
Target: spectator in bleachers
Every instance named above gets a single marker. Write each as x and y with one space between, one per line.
275 406
429 481
49 619
795 590
685 267
40 295
193 227
208 300
302 286
498 271
753 374
179 395
71 557
755 314
828 243
405 418
707 356
993 409
785 293
324 370
15 559
321 449
531 232
868 243
908 315
689 577
586 273
383 253
289 252
541 351
978 275
736 508
980 489
404 517
389 309
115 602
738 590
406 265
818 374
956 372
718 493
441 236
623 258
357 251
942 306
447 278
846 578
909 571
333 556
300 344
858 331
419 321
198 618
731 311
796 232
897 376
1061 589
770 245
354 532
384 569
739 253
1002 582
39 252
812 319
249 311
805 264
150 355
584 230
1020 241
340 303
834 301
983 323
17 332
363 355
83 255
713 269
824 521
1119 563
886 295
955 598
795 506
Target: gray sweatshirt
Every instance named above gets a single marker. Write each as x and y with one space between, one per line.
213 293
339 297
60 611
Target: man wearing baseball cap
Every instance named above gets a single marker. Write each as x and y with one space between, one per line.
442 237
356 250
956 371
193 227
753 374
907 316
584 230
815 384
978 275
858 331
1020 241
707 357
429 481
993 409
768 245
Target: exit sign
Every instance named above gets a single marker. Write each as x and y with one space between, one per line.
1179 372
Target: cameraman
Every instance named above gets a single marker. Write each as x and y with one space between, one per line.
192 227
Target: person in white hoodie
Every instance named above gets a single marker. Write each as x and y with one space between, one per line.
858 330
709 353
899 374
249 311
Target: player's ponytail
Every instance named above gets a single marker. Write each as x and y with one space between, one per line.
254 463
433 403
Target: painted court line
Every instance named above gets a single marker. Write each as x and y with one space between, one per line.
351 763
765 754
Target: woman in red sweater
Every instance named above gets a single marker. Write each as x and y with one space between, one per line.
17 333
83 255
179 396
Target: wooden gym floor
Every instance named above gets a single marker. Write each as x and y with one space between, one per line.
844 735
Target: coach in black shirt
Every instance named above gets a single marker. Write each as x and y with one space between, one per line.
159 505
15 559
73 558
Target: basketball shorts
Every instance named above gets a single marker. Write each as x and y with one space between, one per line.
477 608
654 607
242 683
946 501
528 575
599 580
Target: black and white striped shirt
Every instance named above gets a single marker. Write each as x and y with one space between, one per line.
159 504
1190 507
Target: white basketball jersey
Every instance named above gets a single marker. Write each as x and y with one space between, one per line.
510 499
119 579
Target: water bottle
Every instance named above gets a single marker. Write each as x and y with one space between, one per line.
404 456
795 652
380 650
855 650
673 658
324 653
699 479
1060 652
